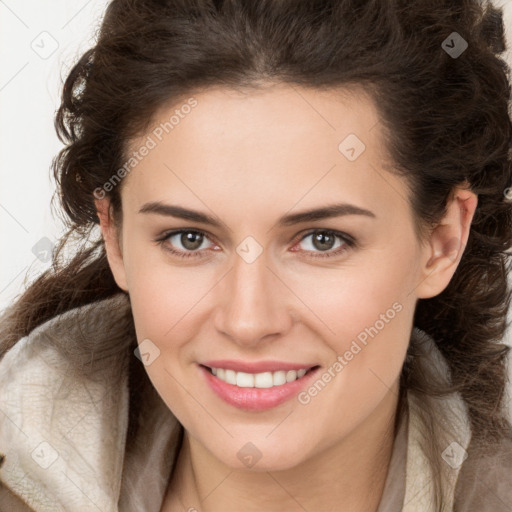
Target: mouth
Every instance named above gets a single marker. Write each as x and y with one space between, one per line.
256 392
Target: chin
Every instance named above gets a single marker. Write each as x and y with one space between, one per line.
257 458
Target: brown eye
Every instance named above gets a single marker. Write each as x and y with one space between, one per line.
332 243
184 243
191 240
323 241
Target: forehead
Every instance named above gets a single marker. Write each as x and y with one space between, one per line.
276 112
280 144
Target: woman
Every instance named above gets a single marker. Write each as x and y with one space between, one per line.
297 294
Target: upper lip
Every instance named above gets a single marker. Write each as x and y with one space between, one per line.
256 366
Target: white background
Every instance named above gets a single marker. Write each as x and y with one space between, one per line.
39 42
30 88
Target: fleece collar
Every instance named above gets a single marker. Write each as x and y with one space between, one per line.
64 429
449 426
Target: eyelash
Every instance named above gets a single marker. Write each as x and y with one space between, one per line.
348 243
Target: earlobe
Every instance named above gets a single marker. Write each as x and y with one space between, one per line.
112 241
446 244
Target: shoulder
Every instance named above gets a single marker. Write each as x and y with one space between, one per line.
66 383
482 482
95 331
485 479
11 501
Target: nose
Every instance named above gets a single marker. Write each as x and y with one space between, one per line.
253 303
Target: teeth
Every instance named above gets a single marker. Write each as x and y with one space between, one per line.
279 378
291 375
244 380
263 380
230 376
257 380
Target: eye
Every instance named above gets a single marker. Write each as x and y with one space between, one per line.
324 243
191 241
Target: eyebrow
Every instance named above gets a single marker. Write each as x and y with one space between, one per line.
326 212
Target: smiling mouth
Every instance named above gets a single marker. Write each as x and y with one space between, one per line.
258 380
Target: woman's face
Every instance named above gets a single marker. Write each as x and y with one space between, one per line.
267 288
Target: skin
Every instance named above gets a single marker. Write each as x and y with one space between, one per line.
247 159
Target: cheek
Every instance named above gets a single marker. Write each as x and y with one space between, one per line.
366 324
162 293
166 306
356 300
364 315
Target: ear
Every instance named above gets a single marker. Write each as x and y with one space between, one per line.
112 242
446 244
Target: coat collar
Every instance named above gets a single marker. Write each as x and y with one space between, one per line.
65 425
449 426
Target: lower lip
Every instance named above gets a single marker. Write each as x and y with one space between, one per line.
256 399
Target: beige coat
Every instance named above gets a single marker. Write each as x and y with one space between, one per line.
68 445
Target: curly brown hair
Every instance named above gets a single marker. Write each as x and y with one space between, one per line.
446 121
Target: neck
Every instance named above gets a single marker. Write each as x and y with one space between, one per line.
352 473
